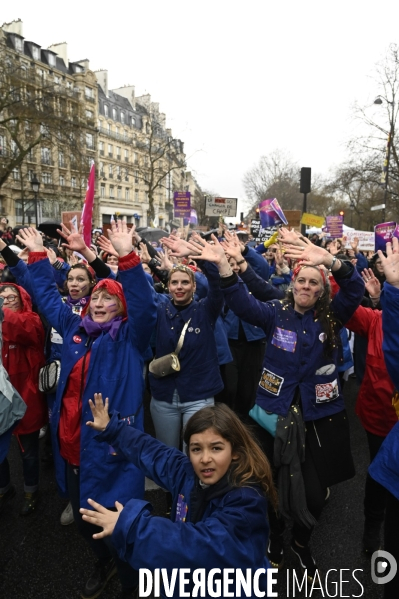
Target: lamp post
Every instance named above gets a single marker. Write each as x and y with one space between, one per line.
35 183
378 101
352 207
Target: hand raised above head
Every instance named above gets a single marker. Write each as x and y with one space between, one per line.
121 237
99 409
74 239
31 238
390 263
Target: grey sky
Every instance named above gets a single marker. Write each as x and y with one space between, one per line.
236 80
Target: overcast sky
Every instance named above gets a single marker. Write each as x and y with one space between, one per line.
236 80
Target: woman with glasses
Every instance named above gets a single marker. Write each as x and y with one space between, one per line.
178 396
23 356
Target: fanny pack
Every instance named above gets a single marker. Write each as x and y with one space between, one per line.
168 364
267 420
49 376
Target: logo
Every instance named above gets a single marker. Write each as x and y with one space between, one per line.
77 339
383 567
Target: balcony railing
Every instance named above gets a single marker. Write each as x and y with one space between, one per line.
46 160
118 136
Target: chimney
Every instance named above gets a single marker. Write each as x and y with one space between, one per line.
62 51
102 80
13 27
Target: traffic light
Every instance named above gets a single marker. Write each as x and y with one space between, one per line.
257 212
342 213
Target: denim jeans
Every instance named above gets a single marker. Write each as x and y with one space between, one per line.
102 548
167 417
29 450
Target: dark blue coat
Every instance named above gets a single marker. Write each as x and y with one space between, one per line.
115 370
295 350
232 533
199 377
385 467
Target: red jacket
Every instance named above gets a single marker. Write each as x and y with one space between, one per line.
23 356
374 400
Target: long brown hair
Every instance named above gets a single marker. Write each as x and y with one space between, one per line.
252 466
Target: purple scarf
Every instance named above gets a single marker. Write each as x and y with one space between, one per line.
94 329
82 301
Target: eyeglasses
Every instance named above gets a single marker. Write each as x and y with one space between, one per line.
9 299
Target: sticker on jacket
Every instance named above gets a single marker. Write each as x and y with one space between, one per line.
329 369
327 391
181 509
284 339
271 382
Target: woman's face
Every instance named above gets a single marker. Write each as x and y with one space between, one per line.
307 288
78 283
181 288
210 455
234 266
104 306
12 299
378 266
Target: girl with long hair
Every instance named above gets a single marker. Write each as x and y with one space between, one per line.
219 489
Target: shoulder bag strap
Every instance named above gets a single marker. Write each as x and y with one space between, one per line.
181 338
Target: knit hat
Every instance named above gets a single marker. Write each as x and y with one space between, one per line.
113 288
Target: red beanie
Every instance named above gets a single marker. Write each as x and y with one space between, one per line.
113 288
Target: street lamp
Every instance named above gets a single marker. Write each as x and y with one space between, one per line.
35 184
385 172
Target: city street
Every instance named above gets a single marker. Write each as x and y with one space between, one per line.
40 559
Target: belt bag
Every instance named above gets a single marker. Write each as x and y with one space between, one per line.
49 376
168 364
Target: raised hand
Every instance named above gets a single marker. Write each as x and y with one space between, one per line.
106 246
355 244
31 238
51 255
309 254
201 250
232 247
287 236
121 237
371 283
391 262
333 248
102 517
74 239
99 409
144 254
166 264
178 247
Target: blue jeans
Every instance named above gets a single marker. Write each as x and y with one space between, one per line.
29 449
167 417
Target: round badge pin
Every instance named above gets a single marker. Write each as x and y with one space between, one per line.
77 339
197 331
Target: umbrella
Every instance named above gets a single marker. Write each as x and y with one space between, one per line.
49 228
151 234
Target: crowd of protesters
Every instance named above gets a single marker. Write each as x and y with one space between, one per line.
245 348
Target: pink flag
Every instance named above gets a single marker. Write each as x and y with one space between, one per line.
87 212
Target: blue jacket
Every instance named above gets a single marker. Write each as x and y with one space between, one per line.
385 466
232 533
199 377
115 369
258 263
295 351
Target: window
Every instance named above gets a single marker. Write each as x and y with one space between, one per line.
136 195
83 183
30 175
126 155
119 172
89 92
127 193
73 181
35 52
117 131
106 111
101 146
47 178
90 141
16 174
62 181
133 121
126 174
57 80
14 147
118 152
51 60
122 118
18 44
45 156
125 135
31 156
111 191
136 176
102 190
114 114
110 171
61 160
44 130
89 114
101 165
119 193
135 158
2 145
109 129
110 150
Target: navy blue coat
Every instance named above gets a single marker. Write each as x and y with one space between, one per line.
295 352
232 533
199 377
115 370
